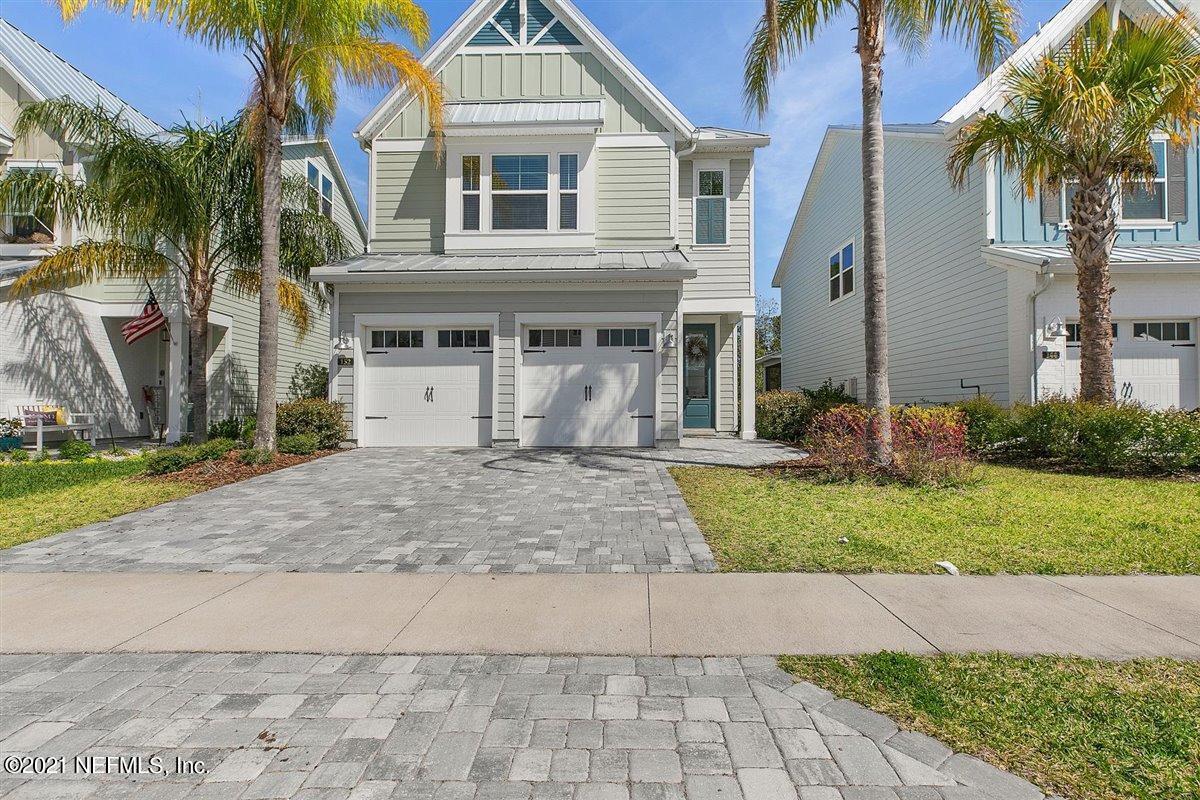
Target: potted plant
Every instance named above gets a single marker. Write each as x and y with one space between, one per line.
10 434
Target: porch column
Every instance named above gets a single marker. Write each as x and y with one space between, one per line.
748 431
176 384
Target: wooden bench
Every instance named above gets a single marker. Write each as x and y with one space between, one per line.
78 425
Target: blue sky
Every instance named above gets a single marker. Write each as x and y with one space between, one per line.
691 49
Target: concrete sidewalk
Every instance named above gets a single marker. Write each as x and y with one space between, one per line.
724 614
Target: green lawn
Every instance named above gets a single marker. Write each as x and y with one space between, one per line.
1013 520
51 497
1084 729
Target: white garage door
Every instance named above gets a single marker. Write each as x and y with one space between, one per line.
587 385
427 386
1154 362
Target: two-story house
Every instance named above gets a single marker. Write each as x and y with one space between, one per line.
65 347
981 287
574 267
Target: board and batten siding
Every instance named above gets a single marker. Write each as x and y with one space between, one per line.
410 202
947 309
1019 218
531 76
510 303
633 198
721 270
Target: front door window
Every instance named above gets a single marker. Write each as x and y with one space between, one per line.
698 376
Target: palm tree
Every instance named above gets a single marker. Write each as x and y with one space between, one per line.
787 27
300 50
1084 119
184 206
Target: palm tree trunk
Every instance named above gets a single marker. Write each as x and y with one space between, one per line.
198 376
874 262
1091 237
268 298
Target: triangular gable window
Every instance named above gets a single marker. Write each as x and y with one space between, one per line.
541 27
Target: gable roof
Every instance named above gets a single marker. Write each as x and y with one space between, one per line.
46 75
934 130
988 94
338 175
479 13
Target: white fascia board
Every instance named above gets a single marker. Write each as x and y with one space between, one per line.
452 40
611 276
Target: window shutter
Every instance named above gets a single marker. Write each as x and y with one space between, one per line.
1051 205
1177 188
718 221
703 221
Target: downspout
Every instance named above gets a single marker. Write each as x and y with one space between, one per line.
1048 278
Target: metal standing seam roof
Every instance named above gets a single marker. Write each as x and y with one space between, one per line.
573 262
52 77
527 112
1122 254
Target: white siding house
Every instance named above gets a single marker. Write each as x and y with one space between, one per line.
981 291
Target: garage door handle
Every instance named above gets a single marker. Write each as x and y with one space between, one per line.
370 417
642 416
376 352
1190 344
481 351
532 416
533 351
650 350
487 417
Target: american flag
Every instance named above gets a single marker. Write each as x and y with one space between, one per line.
146 323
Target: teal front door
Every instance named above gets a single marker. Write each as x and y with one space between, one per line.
699 406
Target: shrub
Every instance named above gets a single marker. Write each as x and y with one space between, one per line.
170 459
19 455
1107 438
214 449
321 418
929 447
75 450
309 382
302 444
228 428
248 428
254 457
988 424
1047 429
787 416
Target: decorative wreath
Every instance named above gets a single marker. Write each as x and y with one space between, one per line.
697 348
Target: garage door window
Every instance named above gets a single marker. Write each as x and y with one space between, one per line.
386 339
623 337
1074 333
469 337
1162 331
555 337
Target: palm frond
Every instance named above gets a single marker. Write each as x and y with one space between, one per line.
88 262
293 298
785 29
988 28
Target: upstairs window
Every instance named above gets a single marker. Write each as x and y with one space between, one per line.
27 223
1148 200
841 272
320 191
568 191
710 207
520 190
470 193
1162 200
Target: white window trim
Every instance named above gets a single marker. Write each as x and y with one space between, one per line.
322 176
561 191
30 164
853 243
710 165
1123 223
580 239
551 192
478 192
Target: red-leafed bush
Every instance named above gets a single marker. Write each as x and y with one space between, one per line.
929 445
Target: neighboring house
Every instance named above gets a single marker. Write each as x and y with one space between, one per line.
771 365
66 347
574 269
981 288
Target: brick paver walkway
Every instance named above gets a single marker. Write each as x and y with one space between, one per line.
420 510
460 728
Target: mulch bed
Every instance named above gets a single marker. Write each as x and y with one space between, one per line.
226 470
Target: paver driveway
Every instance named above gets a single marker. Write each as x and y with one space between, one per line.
420 510
460 728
